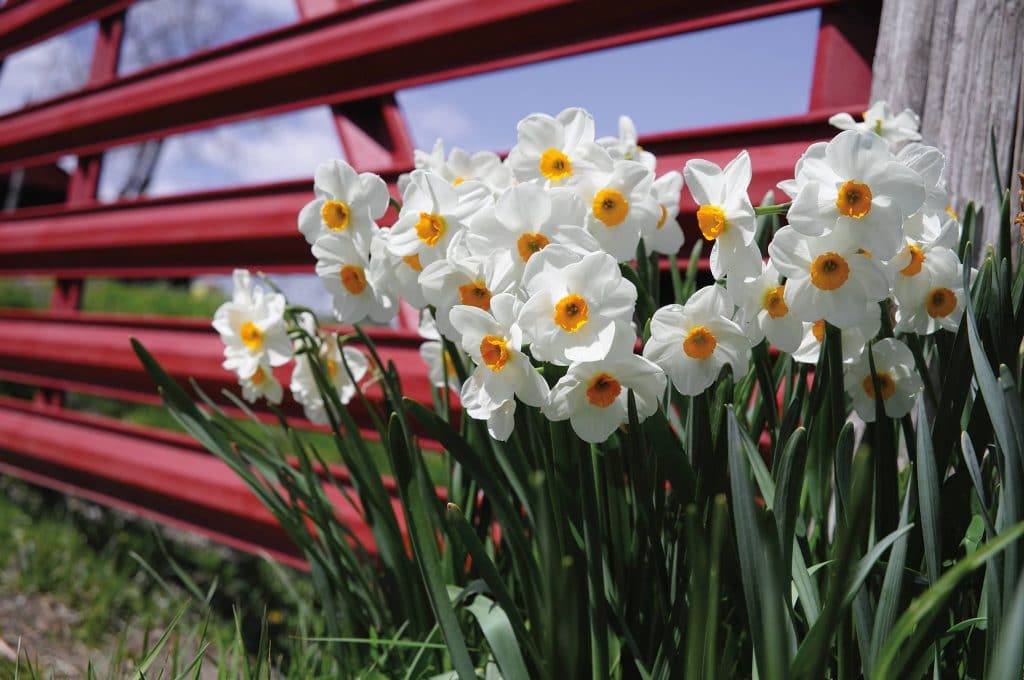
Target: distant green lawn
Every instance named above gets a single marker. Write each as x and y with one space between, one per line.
113 295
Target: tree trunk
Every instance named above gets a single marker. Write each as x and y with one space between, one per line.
960 65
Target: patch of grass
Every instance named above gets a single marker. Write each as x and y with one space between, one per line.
161 297
87 561
30 292
150 297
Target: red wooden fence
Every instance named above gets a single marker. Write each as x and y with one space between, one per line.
353 57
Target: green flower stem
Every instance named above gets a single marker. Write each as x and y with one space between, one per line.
779 209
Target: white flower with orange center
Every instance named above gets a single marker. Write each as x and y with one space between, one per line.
827 277
665 235
459 166
347 203
575 310
852 338
528 218
765 312
397 277
895 380
494 341
333 360
725 214
261 384
855 187
911 269
620 208
879 119
693 342
556 150
934 298
252 328
471 281
433 212
343 269
625 146
593 396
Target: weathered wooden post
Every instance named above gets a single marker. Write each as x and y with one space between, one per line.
960 64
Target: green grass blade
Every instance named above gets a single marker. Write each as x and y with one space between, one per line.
811 656
414 491
928 497
488 571
497 629
759 562
789 470
1008 656
890 596
910 635
153 652
719 521
971 463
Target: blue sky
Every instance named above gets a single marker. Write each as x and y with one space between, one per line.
733 73
729 74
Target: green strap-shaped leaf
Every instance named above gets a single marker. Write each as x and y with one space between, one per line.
910 634
497 629
424 543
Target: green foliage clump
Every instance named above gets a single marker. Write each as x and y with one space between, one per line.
683 546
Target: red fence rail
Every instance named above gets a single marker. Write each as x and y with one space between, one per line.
353 58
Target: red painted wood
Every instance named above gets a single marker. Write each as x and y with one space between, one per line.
30 21
171 484
107 50
844 54
353 58
351 55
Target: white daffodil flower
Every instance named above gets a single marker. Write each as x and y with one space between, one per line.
762 301
827 277
815 153
575 310
692 342
880 120
526 219
897 380
852 338
483 166
934 298
858 189
725 214
494 341
343 270
394 276
556 151
620 208
261 383
911 270
471 281
593 395
440 367
433 212
625 146
666 236
304 388
346 203
934 223
252 328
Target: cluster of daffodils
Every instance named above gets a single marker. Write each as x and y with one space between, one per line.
255 331
517 265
